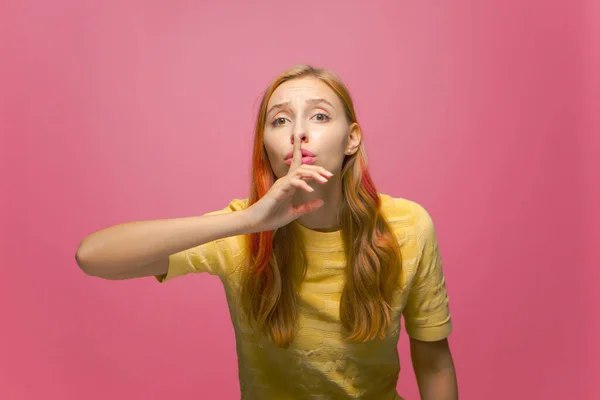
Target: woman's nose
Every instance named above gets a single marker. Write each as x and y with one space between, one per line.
300 136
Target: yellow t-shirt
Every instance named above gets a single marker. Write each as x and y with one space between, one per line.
319 364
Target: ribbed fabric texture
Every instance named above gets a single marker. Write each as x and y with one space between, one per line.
319 364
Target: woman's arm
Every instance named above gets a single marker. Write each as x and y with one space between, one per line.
434 369
142 248
137 249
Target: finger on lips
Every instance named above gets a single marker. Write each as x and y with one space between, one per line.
297 156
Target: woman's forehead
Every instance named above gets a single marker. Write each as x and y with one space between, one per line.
302 89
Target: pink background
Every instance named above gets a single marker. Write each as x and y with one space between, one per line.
483 112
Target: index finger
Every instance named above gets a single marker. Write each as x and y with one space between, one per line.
297 153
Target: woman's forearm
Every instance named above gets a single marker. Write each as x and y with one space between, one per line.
438 385
123 248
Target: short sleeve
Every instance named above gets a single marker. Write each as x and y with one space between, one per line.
217 257
427 314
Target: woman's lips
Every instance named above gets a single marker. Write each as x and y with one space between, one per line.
305 160
305 153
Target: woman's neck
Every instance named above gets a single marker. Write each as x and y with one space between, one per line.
324 219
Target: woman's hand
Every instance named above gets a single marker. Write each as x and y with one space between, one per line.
275 208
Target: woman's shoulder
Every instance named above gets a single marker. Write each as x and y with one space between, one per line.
400 206
403 213
238 204
234 204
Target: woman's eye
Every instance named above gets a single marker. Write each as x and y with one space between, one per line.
281 120
324 117
278 121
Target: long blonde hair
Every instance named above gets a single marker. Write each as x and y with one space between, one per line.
276 260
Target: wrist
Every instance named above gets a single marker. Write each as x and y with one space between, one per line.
248 223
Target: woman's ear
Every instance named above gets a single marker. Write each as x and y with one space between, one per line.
354 138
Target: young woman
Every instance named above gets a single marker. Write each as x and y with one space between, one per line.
318 267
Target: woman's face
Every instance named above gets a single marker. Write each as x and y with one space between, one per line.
308 109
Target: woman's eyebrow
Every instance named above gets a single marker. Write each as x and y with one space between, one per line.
311 102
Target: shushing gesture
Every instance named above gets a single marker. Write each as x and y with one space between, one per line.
275 208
